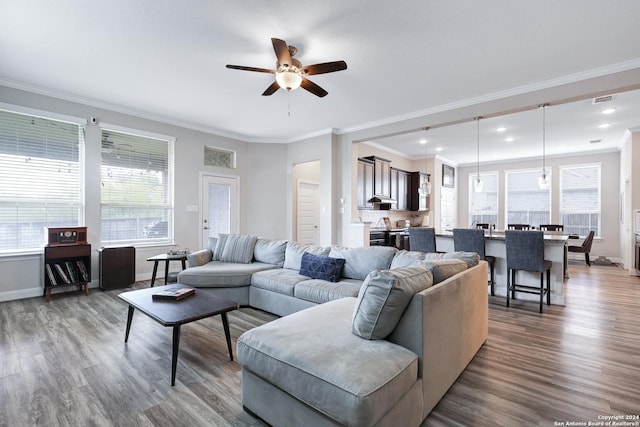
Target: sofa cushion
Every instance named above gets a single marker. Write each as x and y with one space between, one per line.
294 251
471 258
321 291
280 280
321 267
404 258
201 257
239 248
270 251
221 274
219 248
313 356
361 261
383 298
442 269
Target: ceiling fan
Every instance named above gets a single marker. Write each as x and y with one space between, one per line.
290 73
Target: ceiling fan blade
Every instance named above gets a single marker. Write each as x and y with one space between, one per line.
326 67
313 88
271 89
282 52
258 70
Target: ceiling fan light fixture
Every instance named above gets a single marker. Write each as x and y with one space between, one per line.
288 80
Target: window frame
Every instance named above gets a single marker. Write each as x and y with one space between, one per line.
79 201
472 177
548 171
170 180
598 165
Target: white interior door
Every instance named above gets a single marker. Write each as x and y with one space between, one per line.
219 206
308 212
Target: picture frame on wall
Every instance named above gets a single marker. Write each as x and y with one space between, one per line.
448 176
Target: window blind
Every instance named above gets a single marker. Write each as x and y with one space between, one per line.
580 198
484 205
526 202
41 185
137 188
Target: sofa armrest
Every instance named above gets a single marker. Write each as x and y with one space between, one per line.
200 257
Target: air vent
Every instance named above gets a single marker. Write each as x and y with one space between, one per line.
602 99
595 141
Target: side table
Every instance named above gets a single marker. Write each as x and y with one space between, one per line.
167 259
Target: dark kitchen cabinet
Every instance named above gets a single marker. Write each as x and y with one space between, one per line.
381 176
365 183
400 188
417 201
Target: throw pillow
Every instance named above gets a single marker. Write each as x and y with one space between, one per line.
405 258
471 258
383 298
294 251
270 251
361 261
444 268
217 252
321 267
239 248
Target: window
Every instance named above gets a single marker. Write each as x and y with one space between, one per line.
580 199
136 199
483 206
526 202
41 185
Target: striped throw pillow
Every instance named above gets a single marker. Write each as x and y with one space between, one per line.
239 248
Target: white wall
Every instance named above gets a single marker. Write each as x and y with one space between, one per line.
21 276
318 148
266 186
608 244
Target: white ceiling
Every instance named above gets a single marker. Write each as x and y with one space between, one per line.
165 60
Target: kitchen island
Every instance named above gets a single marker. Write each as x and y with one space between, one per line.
555 250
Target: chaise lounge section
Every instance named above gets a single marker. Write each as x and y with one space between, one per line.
369 336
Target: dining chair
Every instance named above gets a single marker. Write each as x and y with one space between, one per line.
422 239
472 240
525 251
585 248
518 226
551 227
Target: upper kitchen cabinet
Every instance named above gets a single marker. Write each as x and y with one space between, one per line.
381 176
400 188
365 183
418 201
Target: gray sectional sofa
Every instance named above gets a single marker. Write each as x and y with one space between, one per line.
376 341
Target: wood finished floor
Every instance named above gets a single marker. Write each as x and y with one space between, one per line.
65 363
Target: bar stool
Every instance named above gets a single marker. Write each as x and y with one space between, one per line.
472 240
422 239
525 251
518 226
551 227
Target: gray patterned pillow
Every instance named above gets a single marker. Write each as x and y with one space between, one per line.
239 248
217 252
384 296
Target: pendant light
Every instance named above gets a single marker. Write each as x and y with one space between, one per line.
477 183
425 187
543 179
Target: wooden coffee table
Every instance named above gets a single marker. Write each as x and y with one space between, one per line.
177 313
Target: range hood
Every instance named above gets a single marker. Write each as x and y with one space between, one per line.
376 200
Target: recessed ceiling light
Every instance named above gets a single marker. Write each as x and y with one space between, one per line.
423 141
501 129
510 139
604 125
608 111
438 148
